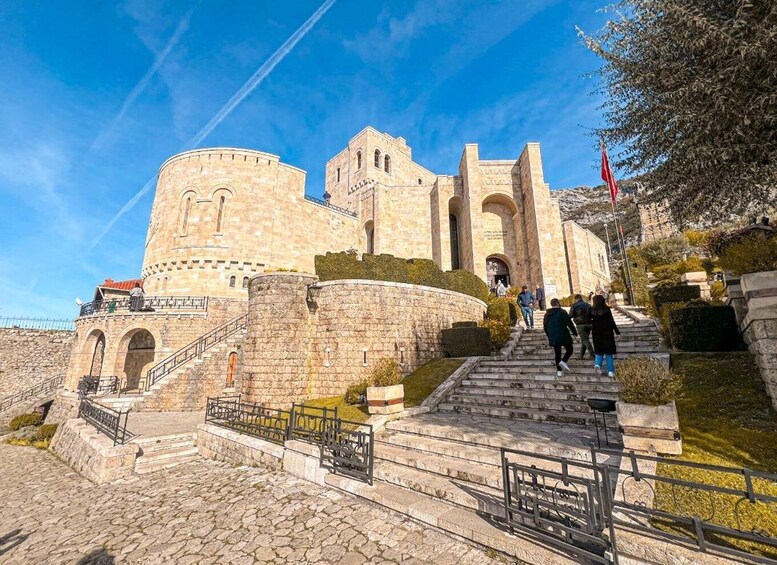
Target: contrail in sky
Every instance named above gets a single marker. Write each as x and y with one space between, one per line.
249 86
143 82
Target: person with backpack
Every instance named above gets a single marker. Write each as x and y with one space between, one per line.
526 302
559 329
580 312
603 330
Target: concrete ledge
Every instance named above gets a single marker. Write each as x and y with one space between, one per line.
93 454
221 444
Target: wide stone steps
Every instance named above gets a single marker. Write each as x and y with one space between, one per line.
163 452
503 393
536 414
522 402
493 385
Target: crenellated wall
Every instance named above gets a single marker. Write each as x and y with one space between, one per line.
295 350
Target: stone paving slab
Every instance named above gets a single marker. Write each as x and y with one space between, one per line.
146 424
202 512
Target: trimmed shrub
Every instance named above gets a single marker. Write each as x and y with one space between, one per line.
567 301
704 327
675 293
646 381
498 309
499 332
672 272
23 420
386 373
464 324
353 394
666 309
338 266
466 342
752 254
663 251
45 432
513 312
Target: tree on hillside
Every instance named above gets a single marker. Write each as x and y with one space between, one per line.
691 96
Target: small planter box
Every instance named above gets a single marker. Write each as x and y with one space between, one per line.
647 428
386 399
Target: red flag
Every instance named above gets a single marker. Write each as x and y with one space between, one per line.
607 175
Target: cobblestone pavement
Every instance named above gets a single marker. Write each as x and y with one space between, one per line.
201 512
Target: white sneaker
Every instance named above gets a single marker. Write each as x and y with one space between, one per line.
559 373
610 374
563 365
597 369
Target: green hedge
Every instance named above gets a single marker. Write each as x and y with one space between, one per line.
466 342
704 328
339 266
675 293
498 309
469 324
23 420
513 312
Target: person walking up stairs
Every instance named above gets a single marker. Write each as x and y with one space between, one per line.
604 330
558 325
580 312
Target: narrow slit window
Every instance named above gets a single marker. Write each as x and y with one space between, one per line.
187 207
358 159
377 158
232 281
220 215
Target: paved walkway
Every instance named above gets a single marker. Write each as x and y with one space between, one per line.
149 424
201 512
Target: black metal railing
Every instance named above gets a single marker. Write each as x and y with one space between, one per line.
195 349
747 496
95 384
45 387
578 506
346 447
144 304
37 324
328 205
108 421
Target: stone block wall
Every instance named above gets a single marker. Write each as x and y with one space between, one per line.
234 448
28 357
91 454
294 352
589 267
759 325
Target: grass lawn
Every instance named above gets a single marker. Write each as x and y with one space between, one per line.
418 385
726 419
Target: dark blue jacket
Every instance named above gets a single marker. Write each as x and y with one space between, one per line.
525 298
558 325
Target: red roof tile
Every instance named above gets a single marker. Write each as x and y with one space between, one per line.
122 285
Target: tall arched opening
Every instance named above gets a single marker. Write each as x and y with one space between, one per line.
139 357
454 212
497 271
98 354
369 233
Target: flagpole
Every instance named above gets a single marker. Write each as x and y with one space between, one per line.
609 247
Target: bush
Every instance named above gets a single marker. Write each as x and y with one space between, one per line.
354 393
466 342
386 373
498 309
674 293
338 266
499 332
464 324
513 307
23 420
704 327
663 315
663 251
672 272
752 254
567 301
717 291
646 381
45 432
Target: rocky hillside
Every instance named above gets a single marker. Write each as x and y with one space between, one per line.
590 207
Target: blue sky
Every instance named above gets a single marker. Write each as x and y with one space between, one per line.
96 95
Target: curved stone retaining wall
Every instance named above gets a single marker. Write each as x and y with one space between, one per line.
298 349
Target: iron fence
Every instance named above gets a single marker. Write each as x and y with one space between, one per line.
39 389
38 324
328 205
95 384
346 447
144 304
578 506
195 349
112 423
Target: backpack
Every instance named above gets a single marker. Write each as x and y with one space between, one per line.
582 313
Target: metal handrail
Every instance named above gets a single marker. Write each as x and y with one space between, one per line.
326 204
112 423
144 304
45 386
37 324
195 349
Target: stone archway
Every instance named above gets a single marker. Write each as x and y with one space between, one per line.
497 270
140 354
98 354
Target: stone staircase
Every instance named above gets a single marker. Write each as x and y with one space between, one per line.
181 389
525 386
163 452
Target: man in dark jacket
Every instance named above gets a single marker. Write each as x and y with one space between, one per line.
539 294
580 312
526 302
558 326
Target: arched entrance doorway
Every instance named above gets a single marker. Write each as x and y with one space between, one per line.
497 270
140 353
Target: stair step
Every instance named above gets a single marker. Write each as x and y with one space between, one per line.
432 444
164 464
167 455
520 403
551 385
554 416
573 395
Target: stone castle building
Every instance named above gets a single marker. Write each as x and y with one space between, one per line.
223 216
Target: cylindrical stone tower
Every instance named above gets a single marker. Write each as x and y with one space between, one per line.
212 222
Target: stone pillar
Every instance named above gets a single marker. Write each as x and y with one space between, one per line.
277 348
698 278
759 326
